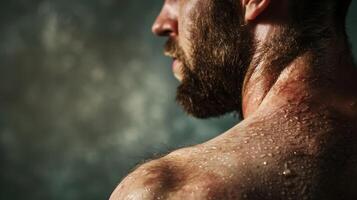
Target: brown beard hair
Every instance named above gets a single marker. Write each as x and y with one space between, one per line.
222 52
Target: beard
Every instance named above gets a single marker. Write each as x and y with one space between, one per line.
222 49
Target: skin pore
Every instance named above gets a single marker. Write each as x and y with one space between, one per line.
299 104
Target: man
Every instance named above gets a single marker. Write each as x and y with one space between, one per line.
286 66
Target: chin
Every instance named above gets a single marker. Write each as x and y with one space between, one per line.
202 106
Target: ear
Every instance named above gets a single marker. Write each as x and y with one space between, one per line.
254 8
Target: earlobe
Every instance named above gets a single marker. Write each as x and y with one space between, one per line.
254 8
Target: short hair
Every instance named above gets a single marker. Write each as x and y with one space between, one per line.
342 9
316 12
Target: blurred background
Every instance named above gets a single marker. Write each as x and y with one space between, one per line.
85 95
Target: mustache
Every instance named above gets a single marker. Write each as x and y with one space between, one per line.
172 49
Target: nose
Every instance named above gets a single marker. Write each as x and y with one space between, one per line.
165 24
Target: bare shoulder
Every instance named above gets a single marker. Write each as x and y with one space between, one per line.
253 161
145 182
164 178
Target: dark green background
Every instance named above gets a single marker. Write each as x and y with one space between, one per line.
85 95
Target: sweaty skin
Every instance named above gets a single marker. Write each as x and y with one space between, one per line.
298 139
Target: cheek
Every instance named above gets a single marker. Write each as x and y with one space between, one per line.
184 36
185 22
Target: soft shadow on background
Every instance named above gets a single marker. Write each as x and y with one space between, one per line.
85 95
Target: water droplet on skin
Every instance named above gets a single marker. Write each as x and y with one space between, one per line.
255 134
265 163
287 172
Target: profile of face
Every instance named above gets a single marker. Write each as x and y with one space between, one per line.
212 47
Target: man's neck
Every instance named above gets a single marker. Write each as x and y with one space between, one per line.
301 80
